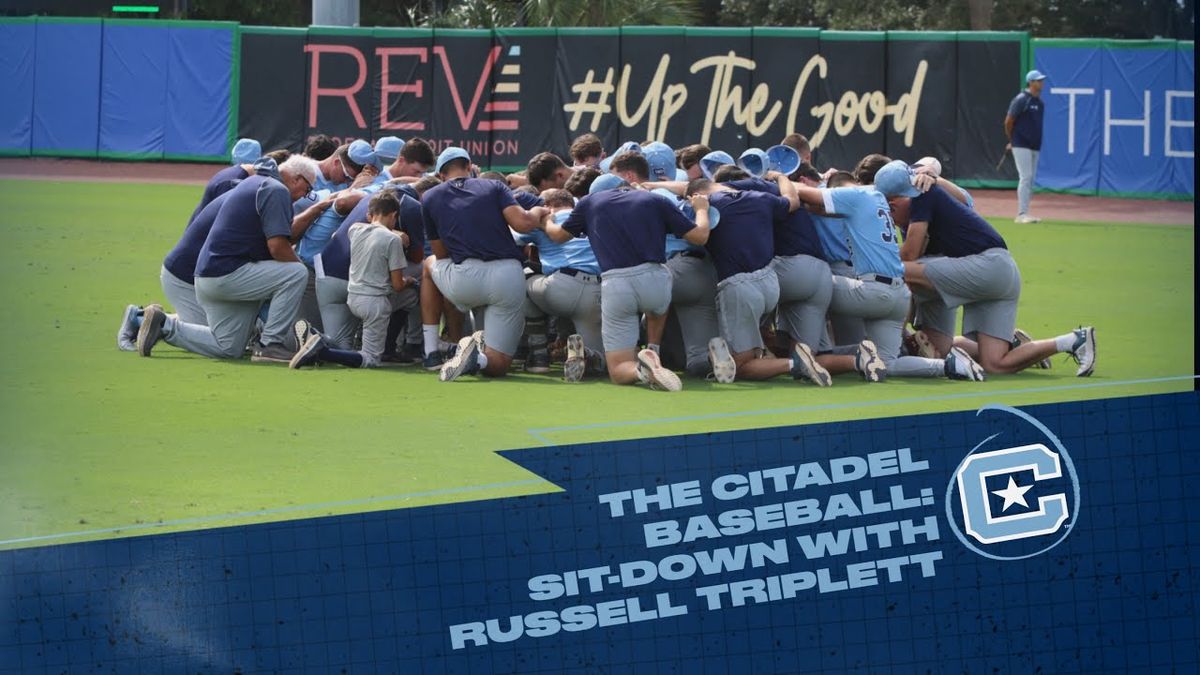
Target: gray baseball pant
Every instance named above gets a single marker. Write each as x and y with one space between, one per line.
1026 161
182 297
883 308
694 302
805 289
574 297
231 304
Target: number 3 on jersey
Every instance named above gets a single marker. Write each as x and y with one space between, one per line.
889 227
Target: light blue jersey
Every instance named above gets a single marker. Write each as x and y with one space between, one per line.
675 245
318 233
832 232
575 254
324 183
869 229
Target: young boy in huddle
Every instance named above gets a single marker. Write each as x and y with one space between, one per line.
377 266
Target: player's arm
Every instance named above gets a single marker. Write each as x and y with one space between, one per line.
557 233
810 197
915 241
516 180
301 223
345 201
787 189
439 249
677 187
953 190
524 221
698 235
281 249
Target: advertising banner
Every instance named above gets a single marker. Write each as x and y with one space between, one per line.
1119 119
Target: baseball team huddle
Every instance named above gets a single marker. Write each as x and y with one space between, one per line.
635 265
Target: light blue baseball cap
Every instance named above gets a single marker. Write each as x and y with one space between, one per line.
1034 75
246 151
388 148
783 158
713 161
755 162
607 181
661 159
895 180
360 152
449 155
627 146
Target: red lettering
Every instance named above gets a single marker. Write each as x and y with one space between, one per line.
386 87
316 91
465 116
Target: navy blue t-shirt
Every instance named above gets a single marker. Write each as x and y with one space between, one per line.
223 181
627 227
467 215
954 230
258 209
1026 111
335 257
181 261
745 241
795 236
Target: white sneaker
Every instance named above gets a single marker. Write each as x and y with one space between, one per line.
127 333
652 372
465 360
724 368
868 363
960 366
1084 351
1025 219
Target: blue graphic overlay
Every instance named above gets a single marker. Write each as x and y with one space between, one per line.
822 548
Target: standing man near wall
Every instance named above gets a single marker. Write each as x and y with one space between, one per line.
1023 126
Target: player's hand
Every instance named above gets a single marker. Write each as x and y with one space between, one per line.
772 175
923 182
924 169
1008 147
828 172
699 202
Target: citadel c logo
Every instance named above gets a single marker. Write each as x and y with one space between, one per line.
973 493
1013 502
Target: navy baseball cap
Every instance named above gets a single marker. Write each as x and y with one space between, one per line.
246 151
265 166
1034 75
895 180
607 181
449 155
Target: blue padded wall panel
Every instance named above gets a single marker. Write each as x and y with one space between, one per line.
133 94
198 90
16 67
66 101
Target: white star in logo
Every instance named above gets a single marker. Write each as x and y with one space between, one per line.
1013 494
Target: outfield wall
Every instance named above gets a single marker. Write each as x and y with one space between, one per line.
1120 117
185 90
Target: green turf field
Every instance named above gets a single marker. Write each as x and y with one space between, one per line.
98 443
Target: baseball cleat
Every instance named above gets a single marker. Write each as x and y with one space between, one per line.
303 330
272 353
867 362
464 362
1025 218
960 366
805 366
1020 337
127 333
576 362
1084 351
433 361
150 332
308 353
724 369
652 372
